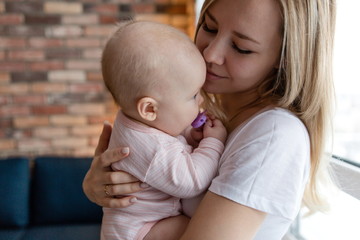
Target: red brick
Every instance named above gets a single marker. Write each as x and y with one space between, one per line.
171 9
2 55
27 55
161 18
84 19
51 132
64 31
11 19
18 77
47 65
92 53
6 144
89 130
4 77
84 152
25 30
87 88
59 53
67 76
51 7
33 145
6 123
101 118
42 19
24 7
99 31
70 142
10 42
49 88
87 109
29 122
13 66
101 8
5 100
29 99
45 42
14 89
14 110
22 133
105 19
47 110
83 65
144 8
82 43
68 120
94 76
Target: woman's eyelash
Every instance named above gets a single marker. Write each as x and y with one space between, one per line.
239 50
242 51
207 29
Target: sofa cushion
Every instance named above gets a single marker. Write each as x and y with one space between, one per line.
12 234
14 192
62 232
57 192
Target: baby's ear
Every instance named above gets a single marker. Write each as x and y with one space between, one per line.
147 108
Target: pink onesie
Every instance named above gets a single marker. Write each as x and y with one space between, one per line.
168 164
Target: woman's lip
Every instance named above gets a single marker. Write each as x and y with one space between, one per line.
212 75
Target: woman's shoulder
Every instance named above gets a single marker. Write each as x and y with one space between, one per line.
277 119
270 125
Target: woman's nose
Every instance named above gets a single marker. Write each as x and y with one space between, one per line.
214 52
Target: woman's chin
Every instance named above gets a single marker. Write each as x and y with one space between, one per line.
210 88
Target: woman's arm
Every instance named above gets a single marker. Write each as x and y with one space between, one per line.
100 176
220 218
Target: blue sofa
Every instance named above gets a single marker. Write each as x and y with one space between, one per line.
42 199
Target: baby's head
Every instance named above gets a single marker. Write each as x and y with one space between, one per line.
150 69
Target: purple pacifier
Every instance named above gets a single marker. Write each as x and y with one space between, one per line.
199 120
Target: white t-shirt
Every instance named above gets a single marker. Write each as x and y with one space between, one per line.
265 166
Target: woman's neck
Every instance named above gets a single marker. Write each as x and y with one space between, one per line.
239 107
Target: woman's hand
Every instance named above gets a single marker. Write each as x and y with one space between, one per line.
101 185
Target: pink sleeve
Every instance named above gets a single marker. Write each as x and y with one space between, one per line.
182 174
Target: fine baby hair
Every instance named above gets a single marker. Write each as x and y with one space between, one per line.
140 57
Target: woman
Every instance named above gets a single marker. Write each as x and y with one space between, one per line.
269 68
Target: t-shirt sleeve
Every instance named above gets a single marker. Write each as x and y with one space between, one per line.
265 165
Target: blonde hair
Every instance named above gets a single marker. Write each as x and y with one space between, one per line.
135 63
304 82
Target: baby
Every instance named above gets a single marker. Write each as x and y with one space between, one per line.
155 74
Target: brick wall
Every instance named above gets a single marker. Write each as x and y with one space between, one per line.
52 99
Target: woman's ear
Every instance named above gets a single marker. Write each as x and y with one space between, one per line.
147 108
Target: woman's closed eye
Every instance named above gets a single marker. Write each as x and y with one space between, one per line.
239 50
206 28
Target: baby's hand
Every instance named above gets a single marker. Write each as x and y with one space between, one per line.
214 128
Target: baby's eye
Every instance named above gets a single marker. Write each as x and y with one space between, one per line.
195 95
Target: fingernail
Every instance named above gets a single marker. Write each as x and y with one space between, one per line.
106 122
125 150
144 185
133 200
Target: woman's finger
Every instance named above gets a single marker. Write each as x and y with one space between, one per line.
113 155
119 177
121 189
119 202
104 139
